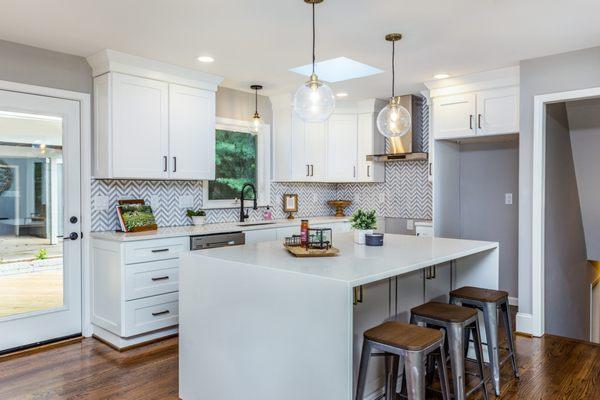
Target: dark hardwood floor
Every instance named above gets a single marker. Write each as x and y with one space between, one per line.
550 367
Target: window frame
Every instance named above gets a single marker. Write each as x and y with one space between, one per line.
263 165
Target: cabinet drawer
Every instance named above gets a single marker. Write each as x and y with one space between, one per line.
155 250
151 279
151 313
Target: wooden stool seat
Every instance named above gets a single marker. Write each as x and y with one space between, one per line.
479 294
444 312
404 336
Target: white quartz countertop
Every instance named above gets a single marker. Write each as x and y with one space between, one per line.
178 231
356 264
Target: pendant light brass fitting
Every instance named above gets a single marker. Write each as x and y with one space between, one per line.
393 37
313 1
256 87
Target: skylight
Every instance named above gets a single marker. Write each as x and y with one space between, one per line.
338 69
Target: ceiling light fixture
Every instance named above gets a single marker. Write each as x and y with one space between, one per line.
314 101
393 120
206 59
256 122
441 76
342 94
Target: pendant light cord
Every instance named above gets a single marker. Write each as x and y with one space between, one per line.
313 34
393 68
256 101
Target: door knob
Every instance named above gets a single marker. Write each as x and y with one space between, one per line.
72 236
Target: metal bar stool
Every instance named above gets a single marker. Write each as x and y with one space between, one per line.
414 344
489 301
457 322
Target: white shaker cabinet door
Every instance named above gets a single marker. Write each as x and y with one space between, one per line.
454 116
342 145
140 127
300 170
191 133
315 150
498 111
438 283
282 145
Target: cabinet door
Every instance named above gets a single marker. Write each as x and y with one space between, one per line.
191 133
140 127
260 235
369 142
342 148
315 150
282 145
300 164
454 116
438 283
498 111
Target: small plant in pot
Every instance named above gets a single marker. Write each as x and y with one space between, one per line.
363 222
198 217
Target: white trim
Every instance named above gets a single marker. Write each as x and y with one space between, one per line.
263 167
84 100
513 301
474 82
524 323
536 327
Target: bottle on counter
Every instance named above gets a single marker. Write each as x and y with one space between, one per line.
304 233
267 214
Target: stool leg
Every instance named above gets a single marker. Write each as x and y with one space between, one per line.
443 374
457 359
509 337
391 376
479 355
362 372
414 370
490 317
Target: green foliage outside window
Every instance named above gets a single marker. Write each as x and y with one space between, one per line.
235 159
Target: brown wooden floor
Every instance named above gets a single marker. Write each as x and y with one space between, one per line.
551 368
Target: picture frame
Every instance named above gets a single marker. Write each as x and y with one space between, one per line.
290 204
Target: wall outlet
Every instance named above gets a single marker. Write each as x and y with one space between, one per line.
186 201
410 224
100 203
508 198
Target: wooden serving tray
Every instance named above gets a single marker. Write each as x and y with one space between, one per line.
300 251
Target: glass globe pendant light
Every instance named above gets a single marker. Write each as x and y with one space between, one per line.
393 120
256 122
314 101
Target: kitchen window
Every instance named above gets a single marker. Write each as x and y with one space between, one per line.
240 157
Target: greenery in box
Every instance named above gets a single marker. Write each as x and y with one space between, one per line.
194 213
364 220
137 216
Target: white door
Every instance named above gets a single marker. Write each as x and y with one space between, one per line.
191 133
140 118
454 116
342 142
40 273
498 111
315 150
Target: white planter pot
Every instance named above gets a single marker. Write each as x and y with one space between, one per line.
359 235
198 220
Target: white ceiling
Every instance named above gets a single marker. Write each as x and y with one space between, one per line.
259 41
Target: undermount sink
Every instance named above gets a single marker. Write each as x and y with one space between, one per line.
256 223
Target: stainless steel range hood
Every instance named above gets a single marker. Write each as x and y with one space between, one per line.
410 146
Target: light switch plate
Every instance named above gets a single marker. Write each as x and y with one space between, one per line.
508 198
100 203
186 201
410 224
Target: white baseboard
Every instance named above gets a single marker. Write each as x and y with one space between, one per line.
525 323
513 301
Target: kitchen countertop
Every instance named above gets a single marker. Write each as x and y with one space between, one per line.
179 231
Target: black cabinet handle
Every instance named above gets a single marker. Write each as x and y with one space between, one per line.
160 278
174 164
165 161
471 121
160 250
479 121
368 171
156 314
307 170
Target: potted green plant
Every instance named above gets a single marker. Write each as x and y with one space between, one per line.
198 217
363 222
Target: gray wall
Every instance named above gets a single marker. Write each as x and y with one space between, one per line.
584 124
35 66
487 172
236 104
562 72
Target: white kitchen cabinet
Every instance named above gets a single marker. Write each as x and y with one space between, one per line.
369 142
342 137
454 116
438 282
498 111
261 235
315 150
282 145
191 133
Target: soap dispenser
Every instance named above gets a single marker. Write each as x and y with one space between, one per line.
267 214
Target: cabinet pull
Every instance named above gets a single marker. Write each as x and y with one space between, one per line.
433 271
165 161
354 173
358 294
307 170
471 121
156 314
174 164
160 278
478 121
159 250
312 170
368 171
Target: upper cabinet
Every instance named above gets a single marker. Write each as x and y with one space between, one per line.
152 120
331 151
482 104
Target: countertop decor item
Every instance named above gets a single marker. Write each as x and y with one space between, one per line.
299 251
374 239
339 206
320 238
256 122
290 204
393 120
363 222
198 216
136 218
314 100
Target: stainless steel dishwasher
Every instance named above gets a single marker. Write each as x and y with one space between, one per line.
214 240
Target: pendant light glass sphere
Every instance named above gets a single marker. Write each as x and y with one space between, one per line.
394 120
314 101
256 123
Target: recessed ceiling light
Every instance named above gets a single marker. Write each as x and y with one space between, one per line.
338 69
206 59
342 94
441 76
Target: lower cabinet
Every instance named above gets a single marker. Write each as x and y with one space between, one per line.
260 235
438 283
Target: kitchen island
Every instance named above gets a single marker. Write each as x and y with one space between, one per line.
257 323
